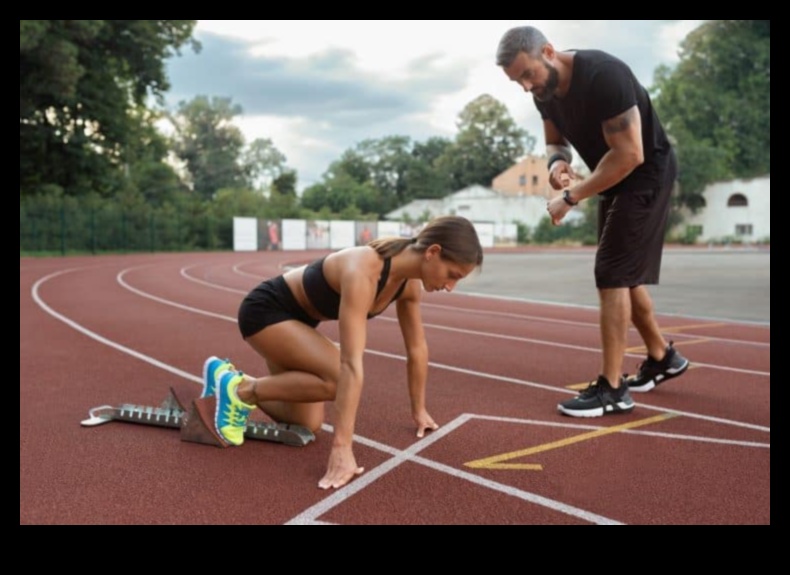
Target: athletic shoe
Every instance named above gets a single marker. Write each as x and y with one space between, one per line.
653 372
212 368
600 398
230 418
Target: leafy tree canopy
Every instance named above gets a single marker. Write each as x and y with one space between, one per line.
716 104
488 142
82 85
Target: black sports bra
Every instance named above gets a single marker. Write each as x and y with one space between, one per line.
325 299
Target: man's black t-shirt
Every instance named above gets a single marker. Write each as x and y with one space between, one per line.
602 87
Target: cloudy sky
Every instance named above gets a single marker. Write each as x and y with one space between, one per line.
316 88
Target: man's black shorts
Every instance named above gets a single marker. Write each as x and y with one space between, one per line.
631 228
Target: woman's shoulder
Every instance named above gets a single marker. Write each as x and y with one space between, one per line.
412 290
358 260
355 254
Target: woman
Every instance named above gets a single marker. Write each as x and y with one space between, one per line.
278 319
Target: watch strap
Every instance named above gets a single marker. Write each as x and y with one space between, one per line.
566 195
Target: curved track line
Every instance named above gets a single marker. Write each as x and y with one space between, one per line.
359 483
510 315
492 376
399 456
537 318
595 308
198 379
570 346
483 333
93 335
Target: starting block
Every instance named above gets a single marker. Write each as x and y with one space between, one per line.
197 423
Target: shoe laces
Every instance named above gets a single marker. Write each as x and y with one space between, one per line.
645 366
591 390
237 414
652 363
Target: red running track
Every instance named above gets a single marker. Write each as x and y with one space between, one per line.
125 329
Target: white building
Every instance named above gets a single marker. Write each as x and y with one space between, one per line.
738 210
481 204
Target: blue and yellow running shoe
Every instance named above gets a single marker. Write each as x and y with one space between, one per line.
212 368
230 419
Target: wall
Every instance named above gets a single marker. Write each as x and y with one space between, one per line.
719 221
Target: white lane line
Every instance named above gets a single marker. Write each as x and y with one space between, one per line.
592 325
757 323
435 365
491 313
662 434
310 515
74 325
399 457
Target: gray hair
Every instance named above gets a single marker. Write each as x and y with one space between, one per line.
521 39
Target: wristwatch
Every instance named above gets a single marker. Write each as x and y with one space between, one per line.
566 195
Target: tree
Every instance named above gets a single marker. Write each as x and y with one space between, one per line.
285 183
716 104
81 85
341 192
209 144
488 142
371 176
263 163
389 160
379 175
426 178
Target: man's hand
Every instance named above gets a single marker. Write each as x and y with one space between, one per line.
561 174
557 209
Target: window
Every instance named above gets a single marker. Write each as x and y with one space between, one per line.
743 229
463 208
534 180
737 200
522 180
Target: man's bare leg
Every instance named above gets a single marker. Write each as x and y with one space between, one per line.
615 314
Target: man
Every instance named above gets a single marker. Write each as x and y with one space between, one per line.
592 102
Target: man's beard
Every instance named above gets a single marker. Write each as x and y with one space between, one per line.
549 90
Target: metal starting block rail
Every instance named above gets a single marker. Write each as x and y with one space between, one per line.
196 424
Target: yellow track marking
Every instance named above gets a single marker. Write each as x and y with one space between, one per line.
694 326
495 462
684 343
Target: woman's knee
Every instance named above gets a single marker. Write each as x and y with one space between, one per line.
310 416
329 388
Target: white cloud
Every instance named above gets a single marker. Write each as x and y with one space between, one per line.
317 88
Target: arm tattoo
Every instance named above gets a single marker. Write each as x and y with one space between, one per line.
619 123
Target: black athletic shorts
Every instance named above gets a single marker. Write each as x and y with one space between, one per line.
269 303
631 228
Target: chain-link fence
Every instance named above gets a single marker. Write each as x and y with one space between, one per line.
89 225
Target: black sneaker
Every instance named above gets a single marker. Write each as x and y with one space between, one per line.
652 372
600 398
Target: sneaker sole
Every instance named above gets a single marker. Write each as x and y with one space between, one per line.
653 383
597 412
